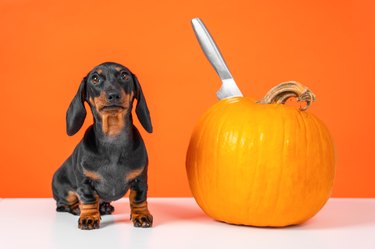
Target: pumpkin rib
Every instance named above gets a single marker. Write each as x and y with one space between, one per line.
305 156
196 148
258 164
319 131
217 158
221 141
317 142
292 152
320 150
282 165
326 137
302 142
249 210
208 118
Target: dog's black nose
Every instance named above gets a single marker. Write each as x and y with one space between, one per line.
113 96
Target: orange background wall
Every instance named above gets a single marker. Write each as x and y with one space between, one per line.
47 47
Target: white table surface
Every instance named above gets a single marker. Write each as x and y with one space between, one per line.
179 223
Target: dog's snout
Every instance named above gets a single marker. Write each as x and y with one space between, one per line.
113 96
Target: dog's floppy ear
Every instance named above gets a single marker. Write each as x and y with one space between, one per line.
76 113
141 109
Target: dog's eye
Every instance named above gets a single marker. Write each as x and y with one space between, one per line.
124 75
95 79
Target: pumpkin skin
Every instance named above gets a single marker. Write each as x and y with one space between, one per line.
260 165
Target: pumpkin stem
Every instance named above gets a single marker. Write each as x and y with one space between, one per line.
283 91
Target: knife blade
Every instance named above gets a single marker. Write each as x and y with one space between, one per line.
228 87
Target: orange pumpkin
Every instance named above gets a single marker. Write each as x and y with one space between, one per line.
261 164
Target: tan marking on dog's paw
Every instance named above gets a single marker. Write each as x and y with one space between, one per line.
142 219
89 222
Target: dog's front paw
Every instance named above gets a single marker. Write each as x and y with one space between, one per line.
89 222
141 219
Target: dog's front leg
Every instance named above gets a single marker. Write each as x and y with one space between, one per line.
140 215
88 205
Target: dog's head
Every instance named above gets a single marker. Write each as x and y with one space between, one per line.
109 89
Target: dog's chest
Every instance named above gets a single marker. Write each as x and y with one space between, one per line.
111 175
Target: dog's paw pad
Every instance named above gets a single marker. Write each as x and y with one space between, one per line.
142 220
89 222
106 208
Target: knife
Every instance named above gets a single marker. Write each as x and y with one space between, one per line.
228 87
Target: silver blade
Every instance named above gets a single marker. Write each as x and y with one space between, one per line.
229 87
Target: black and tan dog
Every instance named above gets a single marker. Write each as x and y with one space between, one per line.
111 158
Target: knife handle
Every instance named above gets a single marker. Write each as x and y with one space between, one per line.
210 49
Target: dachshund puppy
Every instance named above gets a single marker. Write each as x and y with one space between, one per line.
111 158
